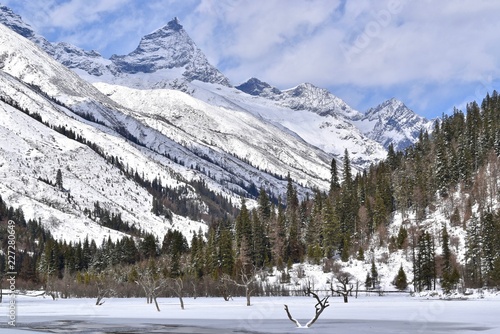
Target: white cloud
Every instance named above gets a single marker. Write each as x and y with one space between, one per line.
71 14
255 34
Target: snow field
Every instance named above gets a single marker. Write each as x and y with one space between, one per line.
266 315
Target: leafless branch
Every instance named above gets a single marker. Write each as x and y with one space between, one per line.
246 282
291 318
319 308
344 288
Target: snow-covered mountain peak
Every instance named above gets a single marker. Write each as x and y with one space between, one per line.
256 87
169 47
390 108
166 49
305 96
319 100
392 122
172 26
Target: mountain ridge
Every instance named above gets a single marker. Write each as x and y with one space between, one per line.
168 58
391 122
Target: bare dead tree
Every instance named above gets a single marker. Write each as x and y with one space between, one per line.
49 281
104 288
224 289
319 308
152 283
177 286
195 291
344 286
247 281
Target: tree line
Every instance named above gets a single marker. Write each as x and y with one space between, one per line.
457 164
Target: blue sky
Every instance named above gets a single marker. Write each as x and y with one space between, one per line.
432 55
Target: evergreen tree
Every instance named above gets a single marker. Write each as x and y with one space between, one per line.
464 161
450 275
278 237
295 248
402 236
361 254
211 255
392 159
368 282
260 241
425 264
346 171
490 245
331 230
197 255
226 256
374 276
347 204
243 225
334 179
379 211
148 246
314 235
446 251
344 256
400 281
59 179
442 167
264 206
473 254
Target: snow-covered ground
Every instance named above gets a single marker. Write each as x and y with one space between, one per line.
397 313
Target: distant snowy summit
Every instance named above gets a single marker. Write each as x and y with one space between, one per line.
392 122
305 96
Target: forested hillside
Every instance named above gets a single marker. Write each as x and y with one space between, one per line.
456 168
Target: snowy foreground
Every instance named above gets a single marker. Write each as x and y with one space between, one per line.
367 314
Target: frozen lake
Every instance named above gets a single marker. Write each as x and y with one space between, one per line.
367 314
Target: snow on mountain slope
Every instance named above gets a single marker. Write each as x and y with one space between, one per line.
32 81
392 122
67 54
302 97
216 129
16 23
168 58
20 59
31 152
330 132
